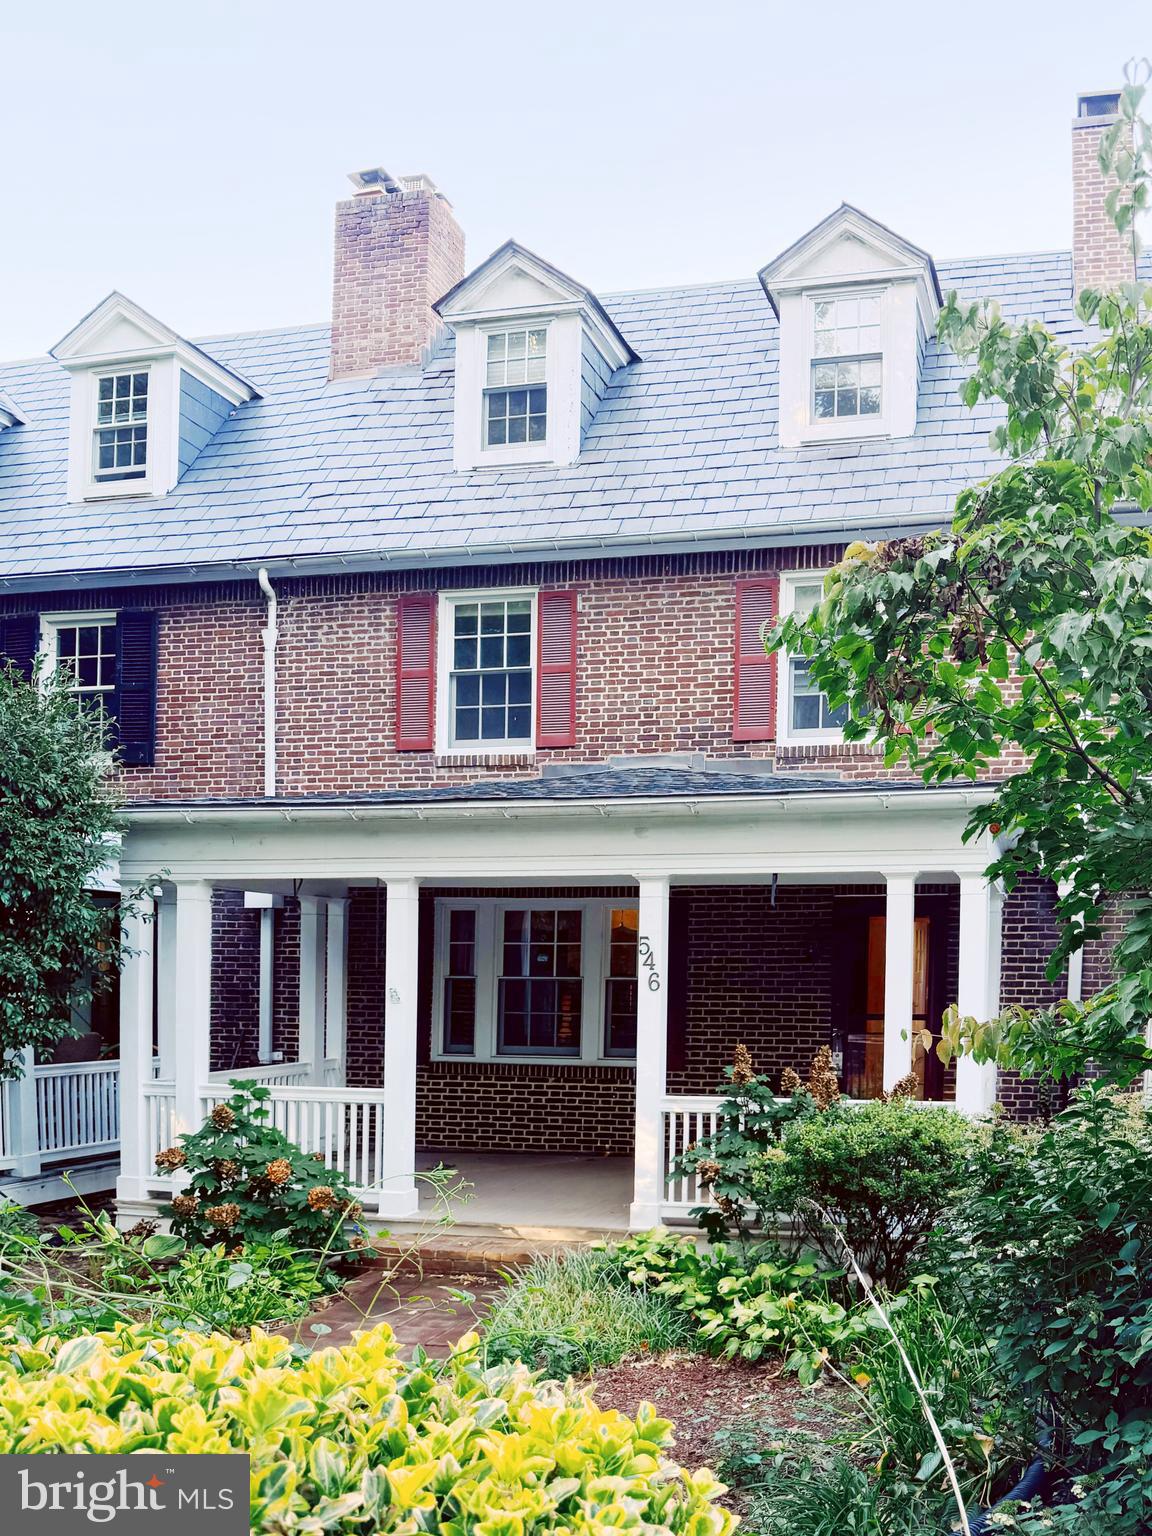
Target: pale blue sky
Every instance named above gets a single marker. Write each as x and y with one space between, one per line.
190 154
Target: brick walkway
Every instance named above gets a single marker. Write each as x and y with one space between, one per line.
422 1309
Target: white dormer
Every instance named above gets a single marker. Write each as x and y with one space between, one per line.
856 304
534 353
144 402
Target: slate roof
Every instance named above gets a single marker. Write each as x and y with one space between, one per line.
601 784
682 453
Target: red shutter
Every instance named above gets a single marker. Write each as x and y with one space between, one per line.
416 672
754 714
556 669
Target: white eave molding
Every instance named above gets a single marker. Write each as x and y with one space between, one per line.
119 334
516 287
850 252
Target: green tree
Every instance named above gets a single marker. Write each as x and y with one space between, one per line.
57 818
1025 630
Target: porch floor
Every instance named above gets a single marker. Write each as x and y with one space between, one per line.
535 1194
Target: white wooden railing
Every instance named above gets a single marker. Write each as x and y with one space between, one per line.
344 1125
273 1074
159 1119
78 1109
686 1121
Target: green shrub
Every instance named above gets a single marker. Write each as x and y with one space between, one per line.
1055 1257
570 1313
744 1301
248 1183
885 1173
357 1440
259 1283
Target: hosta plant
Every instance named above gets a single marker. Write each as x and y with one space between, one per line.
358 1440
246 1182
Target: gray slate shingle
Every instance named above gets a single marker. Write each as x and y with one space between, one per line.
684 446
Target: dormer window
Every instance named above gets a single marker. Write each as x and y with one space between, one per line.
121 446
857 306
847 357
535 354
516 388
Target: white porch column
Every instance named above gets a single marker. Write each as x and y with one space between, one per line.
336 996
164 950
312 985
24 1118
899 957
651 1053
136 1026
399 1197
979 990
192 1005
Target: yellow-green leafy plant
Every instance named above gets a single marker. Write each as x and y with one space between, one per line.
356 1439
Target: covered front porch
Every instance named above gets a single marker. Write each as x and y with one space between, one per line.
544 991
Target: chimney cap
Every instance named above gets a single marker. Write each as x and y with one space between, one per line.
375 179
1094 106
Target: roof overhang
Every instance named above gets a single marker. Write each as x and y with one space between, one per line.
9 415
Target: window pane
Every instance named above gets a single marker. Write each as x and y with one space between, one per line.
619 1016
492 670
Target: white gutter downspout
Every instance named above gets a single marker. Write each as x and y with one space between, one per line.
270 634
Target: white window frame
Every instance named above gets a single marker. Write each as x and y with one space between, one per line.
842 427
500 451
785 735
114 478
595 923
519 746
562 363
52 623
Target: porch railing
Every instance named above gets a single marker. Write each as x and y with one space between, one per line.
274 1074
78 1109
686 1121
345 1126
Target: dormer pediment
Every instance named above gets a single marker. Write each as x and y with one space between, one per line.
535 351
850 247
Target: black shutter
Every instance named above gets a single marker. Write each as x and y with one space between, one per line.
19 642
134 703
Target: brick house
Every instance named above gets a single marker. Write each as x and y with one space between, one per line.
476 818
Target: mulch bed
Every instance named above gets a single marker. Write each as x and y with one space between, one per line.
702 1396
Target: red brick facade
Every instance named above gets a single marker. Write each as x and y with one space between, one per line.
1101 256
396 254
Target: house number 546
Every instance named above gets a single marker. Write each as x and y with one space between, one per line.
648 961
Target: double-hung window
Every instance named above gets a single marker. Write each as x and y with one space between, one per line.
82 652
490 673
515 388
847 358
536 979
805 710
120 434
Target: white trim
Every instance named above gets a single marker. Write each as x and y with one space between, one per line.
562 379
520 746
785 735
847 428
596 915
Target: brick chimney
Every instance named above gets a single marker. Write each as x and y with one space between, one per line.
398 249
1101 256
